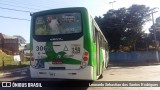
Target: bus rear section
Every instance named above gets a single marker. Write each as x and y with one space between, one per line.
57 45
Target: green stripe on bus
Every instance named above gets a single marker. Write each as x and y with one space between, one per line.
52 55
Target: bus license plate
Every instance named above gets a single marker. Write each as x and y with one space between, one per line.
57 62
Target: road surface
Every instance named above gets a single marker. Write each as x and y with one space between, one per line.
113 73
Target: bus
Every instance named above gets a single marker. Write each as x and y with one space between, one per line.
67 43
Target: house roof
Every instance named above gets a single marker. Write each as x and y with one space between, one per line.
8 37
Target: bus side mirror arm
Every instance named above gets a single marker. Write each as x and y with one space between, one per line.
31 13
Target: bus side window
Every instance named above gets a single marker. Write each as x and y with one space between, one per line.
106 46
95 31
100 40
102 43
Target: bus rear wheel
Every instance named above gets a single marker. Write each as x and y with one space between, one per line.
106 65
101 76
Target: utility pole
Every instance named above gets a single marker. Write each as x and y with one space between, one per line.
154 30
112 3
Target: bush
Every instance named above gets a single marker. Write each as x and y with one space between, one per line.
9 62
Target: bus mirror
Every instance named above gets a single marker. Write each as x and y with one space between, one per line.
31 13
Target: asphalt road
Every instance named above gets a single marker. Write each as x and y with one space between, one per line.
113 73
23 75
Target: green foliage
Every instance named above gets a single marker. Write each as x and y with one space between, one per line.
156 26
9 62
158 20
26 58
123 27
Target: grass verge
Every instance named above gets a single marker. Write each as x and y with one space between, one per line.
9 62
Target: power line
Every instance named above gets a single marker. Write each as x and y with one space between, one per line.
15 18
14 9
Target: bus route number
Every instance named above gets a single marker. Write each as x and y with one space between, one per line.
75 49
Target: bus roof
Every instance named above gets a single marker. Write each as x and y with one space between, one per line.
60 10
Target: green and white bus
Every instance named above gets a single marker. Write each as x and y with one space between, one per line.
67 43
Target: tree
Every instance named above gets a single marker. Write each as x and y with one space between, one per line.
158 20
144 42
136 17
123 27
156 27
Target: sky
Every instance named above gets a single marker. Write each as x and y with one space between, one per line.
21 9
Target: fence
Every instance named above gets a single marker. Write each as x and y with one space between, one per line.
135 56
7 62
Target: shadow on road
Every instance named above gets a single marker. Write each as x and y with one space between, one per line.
49 83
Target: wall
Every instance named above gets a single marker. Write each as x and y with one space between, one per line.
9 45
135 56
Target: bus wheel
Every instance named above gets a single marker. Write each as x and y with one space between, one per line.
106 65
101 76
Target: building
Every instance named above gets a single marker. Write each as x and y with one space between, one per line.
26 50
21 40
9 44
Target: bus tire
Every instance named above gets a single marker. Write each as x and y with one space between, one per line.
101 76
106 64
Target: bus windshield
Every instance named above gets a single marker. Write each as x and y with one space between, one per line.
56 24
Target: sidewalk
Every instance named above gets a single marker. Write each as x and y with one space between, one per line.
127 64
